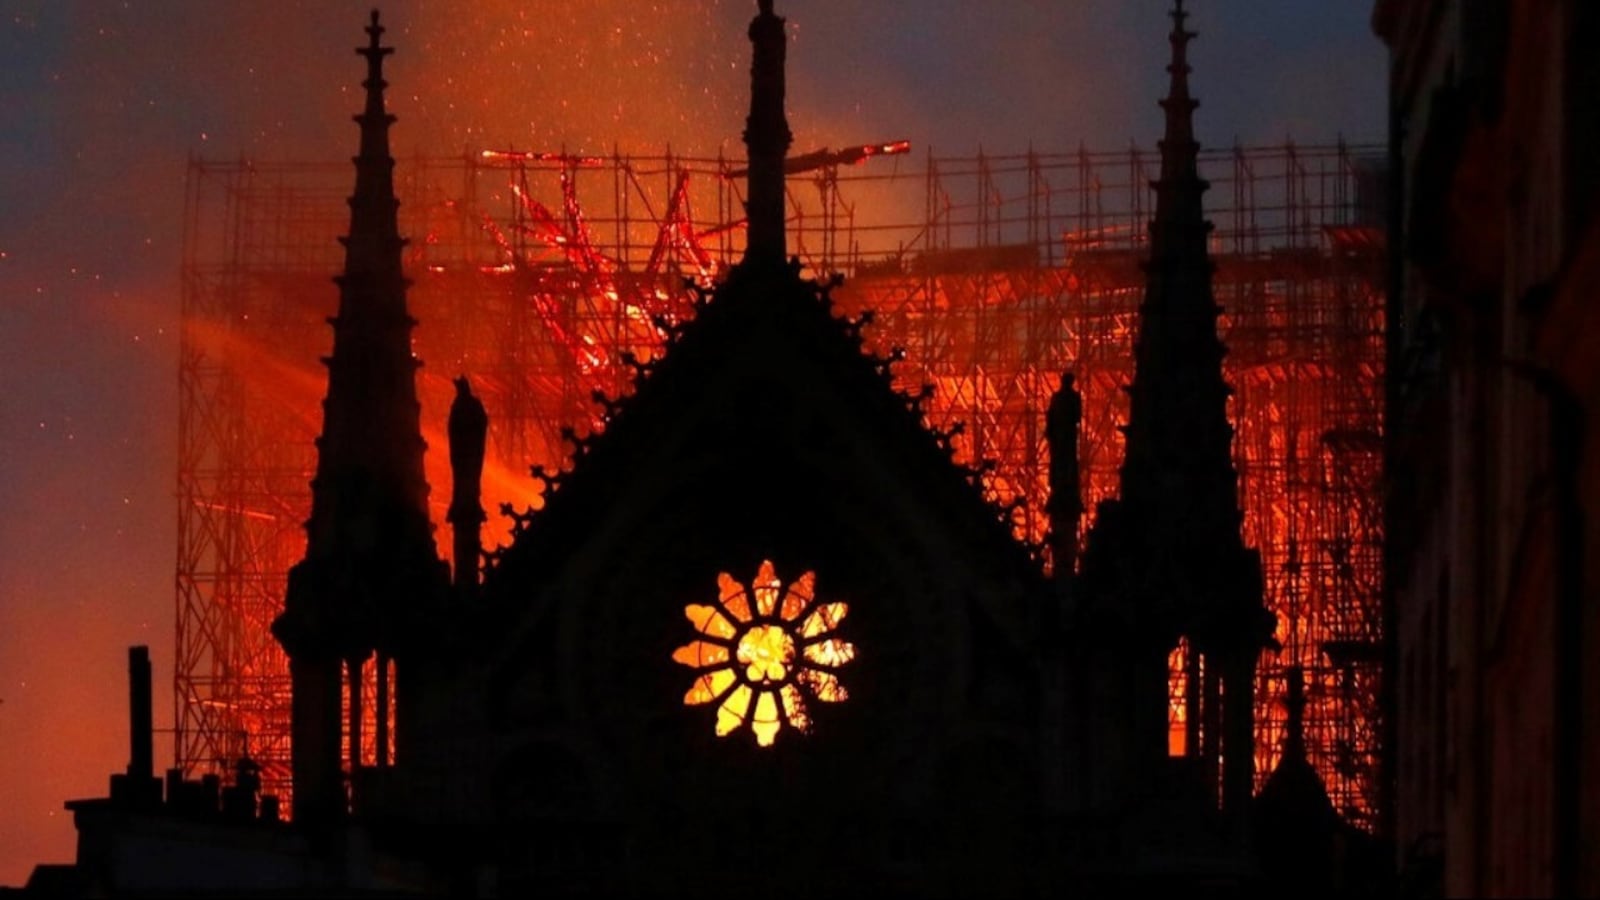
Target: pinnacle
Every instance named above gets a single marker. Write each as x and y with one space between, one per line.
375 30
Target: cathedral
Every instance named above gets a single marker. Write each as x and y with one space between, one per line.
765 633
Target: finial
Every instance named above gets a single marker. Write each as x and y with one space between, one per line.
1179 16
375 51
1179 104
767 139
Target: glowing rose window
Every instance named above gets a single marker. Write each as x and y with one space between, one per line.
762 658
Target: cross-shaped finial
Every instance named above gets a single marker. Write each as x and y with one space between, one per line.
1179 16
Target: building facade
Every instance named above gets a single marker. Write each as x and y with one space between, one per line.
1496 262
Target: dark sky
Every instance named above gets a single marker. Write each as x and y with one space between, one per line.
103 101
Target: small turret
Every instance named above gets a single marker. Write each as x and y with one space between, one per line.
1300 838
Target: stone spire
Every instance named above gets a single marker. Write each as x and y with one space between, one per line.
370 493
766 139
1177 425
1167 559
1178 479
1179 156
1178 471
370 562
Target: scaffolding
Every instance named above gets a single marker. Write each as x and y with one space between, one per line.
547 276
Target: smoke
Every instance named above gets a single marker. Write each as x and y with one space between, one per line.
101 103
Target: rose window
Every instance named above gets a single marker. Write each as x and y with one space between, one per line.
763 652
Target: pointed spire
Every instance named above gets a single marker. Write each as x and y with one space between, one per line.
1168 556
371 377
370 493
371 569
766 139
1178 430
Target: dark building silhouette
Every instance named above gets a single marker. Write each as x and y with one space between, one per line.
371 571
764 630
1493 348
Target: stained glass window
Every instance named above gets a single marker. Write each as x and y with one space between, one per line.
763 652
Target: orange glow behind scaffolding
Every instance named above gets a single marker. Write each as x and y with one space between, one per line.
544 277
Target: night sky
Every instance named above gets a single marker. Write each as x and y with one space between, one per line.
103 102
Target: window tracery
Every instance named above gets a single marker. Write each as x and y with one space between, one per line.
763 651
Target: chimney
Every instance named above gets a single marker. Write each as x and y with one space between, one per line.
141 730
138 788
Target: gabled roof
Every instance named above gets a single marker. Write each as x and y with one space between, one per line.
767 429
766 385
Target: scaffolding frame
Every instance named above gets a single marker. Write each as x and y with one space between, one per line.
547 276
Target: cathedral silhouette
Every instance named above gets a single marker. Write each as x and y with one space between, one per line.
764 635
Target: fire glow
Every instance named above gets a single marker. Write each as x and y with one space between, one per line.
274 82
553 286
